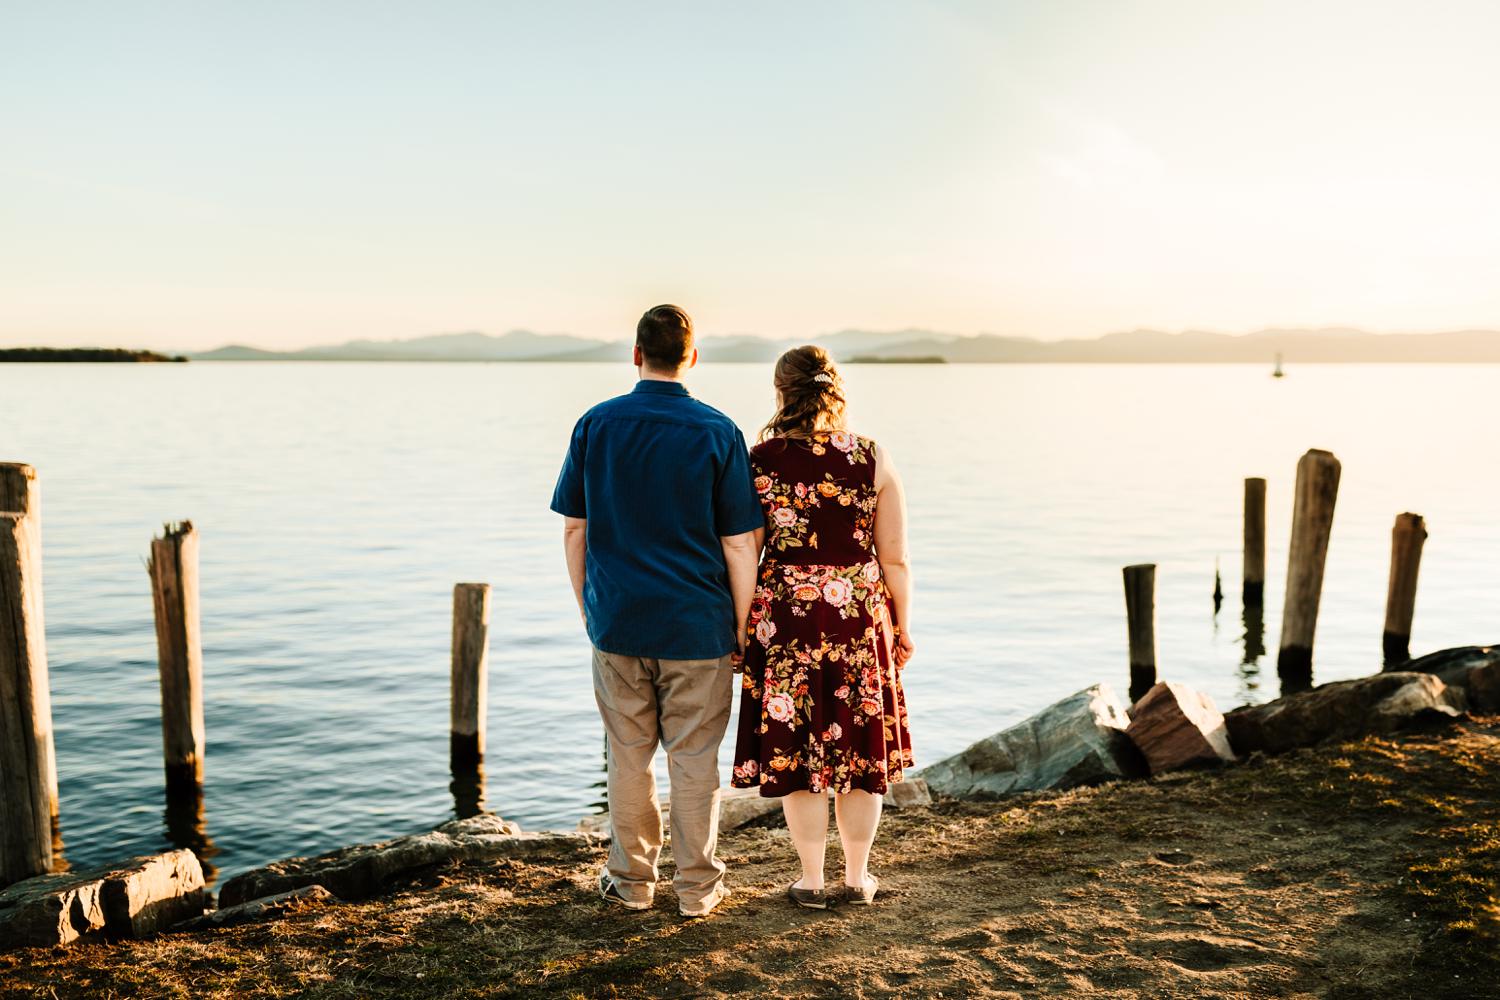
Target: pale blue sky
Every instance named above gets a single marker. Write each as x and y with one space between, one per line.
181 175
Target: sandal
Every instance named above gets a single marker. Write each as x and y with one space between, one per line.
862 895
810 899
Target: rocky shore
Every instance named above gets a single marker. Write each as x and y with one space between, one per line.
1092 843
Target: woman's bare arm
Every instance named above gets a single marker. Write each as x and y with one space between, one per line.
890 547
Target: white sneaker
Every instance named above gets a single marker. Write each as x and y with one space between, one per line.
720 893
610 892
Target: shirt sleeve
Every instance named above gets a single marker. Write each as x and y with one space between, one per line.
736 505
568 497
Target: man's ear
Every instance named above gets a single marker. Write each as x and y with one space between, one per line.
693 358
635 356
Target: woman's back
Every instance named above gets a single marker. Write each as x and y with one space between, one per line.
820 497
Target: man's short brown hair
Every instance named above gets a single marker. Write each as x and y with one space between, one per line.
665 337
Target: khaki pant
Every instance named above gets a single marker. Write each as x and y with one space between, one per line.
684 705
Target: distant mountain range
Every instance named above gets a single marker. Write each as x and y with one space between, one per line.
1323 345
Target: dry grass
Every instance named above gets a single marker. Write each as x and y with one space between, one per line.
1368 869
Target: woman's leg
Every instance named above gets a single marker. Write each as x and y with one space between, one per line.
858 817
807 821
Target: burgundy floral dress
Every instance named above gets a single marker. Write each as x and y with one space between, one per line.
822 705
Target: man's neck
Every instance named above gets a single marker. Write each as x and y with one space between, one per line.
647 375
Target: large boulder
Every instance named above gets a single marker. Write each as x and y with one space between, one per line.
1382 703
136 899
153 893
1475 670
264 908
1078 741
362 870
1176 727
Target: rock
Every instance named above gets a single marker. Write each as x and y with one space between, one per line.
265 908
360 871
739 806
908 793
1475 670
52 909
1078 741
152 894
144 895
1176 727
1382 703
1483 686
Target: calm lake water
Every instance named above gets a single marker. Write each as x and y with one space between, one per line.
339 503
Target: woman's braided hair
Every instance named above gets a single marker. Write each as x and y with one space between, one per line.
812 395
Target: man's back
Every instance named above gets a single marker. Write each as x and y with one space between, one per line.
660 477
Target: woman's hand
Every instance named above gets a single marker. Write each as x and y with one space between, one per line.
905 649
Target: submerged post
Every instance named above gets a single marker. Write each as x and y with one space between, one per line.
1252 592
470 680
1312 522
1140 615
1407 537
27 771
179 650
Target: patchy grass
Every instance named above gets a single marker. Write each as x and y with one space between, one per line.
1366 869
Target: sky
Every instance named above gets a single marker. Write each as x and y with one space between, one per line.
181 175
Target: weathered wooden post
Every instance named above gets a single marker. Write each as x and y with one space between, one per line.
1312 523
27 771
470 680
1407 537
20 492
179 651
1252 592
1140 616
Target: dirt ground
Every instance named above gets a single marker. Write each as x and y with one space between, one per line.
1367 869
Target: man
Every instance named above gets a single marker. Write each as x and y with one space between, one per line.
662 532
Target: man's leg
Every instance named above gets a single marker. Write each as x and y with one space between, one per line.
694 696
625 688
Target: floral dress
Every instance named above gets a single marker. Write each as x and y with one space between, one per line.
822 705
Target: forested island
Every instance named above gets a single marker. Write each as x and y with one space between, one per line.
81 354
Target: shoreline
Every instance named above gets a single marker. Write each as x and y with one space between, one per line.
1333 871
1410 754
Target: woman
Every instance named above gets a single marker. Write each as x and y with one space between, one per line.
829 628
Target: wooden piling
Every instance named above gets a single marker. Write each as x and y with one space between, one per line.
1252 592
27 771
20 492
470 673
179 650
1312 522
1140 616
1407 537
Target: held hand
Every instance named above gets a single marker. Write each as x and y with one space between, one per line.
905 649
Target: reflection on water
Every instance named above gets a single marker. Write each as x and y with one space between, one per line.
187 827
467 787
600 785
1252 618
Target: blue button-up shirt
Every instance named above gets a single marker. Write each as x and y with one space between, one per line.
660 477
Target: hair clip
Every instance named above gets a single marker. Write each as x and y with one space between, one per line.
823 377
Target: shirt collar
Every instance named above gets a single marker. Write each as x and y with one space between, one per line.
662 387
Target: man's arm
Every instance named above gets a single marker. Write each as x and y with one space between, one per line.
741 555
575 545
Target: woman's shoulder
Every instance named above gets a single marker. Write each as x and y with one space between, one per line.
847 443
